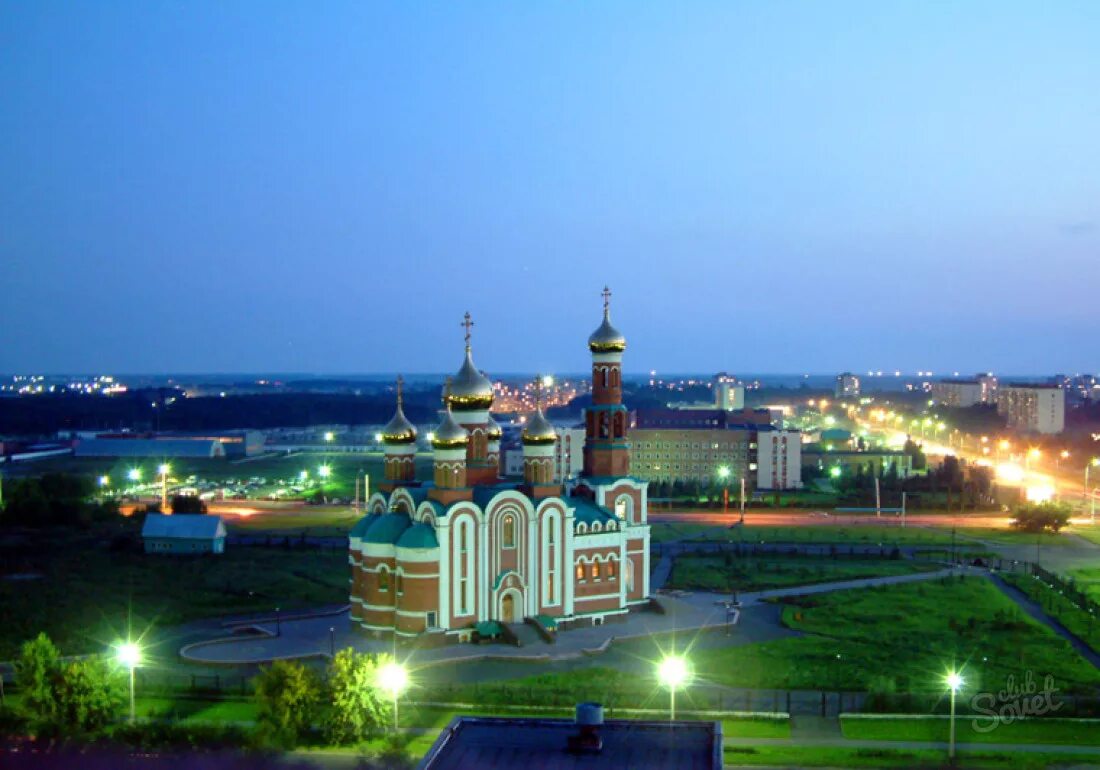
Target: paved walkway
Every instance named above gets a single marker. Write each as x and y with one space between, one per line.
684 612
1036 612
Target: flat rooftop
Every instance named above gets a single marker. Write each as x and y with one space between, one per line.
489 743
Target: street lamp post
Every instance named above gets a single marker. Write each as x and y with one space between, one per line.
954 682
673 674
129 655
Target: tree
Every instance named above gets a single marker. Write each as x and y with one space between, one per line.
187 504
288 695
359 708
1041 517
36 674
74 697
90 694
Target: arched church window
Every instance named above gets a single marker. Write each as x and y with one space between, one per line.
383 579
611 568
509 526
580 572
398 583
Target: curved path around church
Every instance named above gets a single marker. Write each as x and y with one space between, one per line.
686 613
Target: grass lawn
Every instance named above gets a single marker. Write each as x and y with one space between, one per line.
80 591
901 637
309 520
1013 537
1088 579
1087 531
886 535
827 756
712 573
1052 731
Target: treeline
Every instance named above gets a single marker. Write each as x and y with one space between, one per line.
44 415
54 499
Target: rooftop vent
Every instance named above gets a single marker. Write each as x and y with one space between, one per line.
587 739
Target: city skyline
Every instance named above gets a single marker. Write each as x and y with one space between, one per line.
775 188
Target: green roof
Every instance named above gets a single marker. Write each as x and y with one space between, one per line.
419 535
488 628
387 528
588 512
363 525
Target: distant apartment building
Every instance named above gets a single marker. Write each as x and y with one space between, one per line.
847 385
957 392
729 394
1033 408
779 459
568 453
988 384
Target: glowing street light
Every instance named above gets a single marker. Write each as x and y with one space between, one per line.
724 474
104 481
163 471
954 682
835 471
547 381
673 674
324 471
134 474
303 475
393 678
129 655
1092 498
1032 454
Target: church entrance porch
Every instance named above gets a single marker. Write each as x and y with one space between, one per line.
508 598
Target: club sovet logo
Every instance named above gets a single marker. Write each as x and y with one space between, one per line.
1018 700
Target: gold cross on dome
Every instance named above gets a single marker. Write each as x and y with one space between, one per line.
400 383
606 293
467 322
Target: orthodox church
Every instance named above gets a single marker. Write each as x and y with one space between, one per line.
438 557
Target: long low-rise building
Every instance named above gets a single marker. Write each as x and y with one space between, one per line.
766 457
156 448
879 460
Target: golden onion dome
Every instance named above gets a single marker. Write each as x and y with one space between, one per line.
606 339
449 434
470 389
538 430
399 430
493 430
